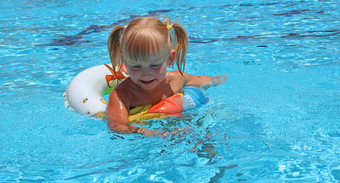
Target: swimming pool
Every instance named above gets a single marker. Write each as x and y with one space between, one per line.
276 119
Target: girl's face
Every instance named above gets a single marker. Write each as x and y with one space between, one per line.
149 74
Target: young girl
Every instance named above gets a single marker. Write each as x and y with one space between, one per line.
144 47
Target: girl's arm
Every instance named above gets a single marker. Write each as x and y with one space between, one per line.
203 80
117 114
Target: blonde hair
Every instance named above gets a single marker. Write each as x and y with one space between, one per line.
144 37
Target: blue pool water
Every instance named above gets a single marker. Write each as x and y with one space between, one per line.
275 120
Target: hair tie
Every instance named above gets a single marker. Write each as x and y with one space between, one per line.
168 26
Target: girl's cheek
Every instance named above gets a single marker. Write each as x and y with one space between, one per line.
157 70
133 72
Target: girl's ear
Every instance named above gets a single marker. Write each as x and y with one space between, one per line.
172 57
125 69
123 65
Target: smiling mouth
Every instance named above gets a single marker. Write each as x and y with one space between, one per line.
147 82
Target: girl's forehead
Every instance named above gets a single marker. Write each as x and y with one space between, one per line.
150 60
146 58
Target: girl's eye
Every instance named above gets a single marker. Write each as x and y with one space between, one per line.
136 67
155 66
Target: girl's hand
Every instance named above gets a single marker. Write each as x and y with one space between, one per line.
216 80
145 132
204 81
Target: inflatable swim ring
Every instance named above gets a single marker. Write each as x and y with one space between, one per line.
85 93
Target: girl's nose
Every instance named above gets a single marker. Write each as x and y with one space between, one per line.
146 72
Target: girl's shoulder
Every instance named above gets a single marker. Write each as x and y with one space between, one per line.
174 74
123 92
177 76
124 89
176 80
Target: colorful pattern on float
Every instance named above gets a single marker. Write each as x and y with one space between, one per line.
84 95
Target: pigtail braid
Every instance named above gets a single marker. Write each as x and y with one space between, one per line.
114 47
181 47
